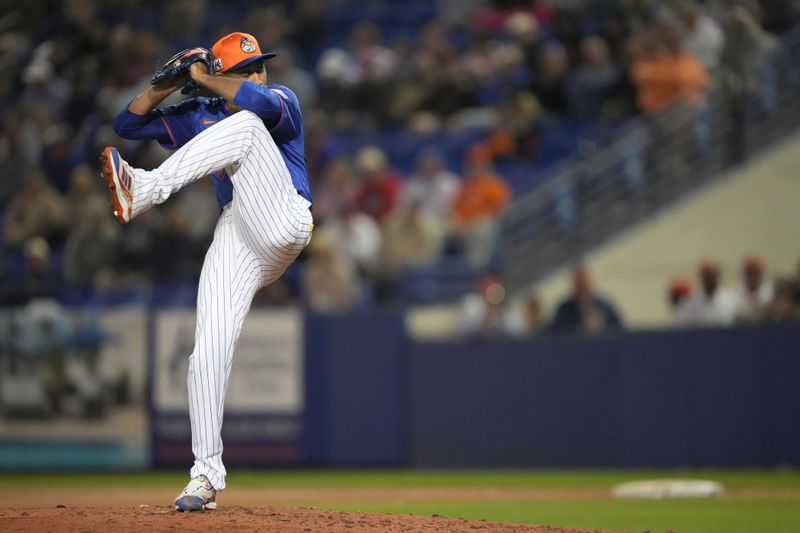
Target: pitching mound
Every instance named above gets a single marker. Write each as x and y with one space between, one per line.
146 518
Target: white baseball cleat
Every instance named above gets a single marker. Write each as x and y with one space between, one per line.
119 178
198 495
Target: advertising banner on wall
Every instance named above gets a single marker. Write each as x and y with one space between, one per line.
263 422
73 388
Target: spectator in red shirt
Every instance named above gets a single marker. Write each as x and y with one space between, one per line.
380 187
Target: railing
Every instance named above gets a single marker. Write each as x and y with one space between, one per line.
649 164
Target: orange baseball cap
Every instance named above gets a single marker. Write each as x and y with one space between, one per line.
236 50
680 286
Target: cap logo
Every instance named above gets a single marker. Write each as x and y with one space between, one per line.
218 64
247 45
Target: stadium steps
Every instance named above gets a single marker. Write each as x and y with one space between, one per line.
754 210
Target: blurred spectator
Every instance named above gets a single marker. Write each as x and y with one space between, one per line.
747 47
358 238
435 82
487 313
173 254
643 14
336 74
133 54
491 69
310 25
37 209
39 283
374 61
283 70
585 311
412 237
431 188
591 82
524 30
519 133
778 15
83 189
664 73
91 244
9 291
329 280
337 191
712 306
183 19
380 186
796 284
135 250
480 200
783 307
272 24
568 30
13 163
56 156
616 32
30 129
754 292
703 36
549 84
785 303
532 315
360 76
322 148
459 12
44 88
493 15
680 290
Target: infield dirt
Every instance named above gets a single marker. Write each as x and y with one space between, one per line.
244 519
95 510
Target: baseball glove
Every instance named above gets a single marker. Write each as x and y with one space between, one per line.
179 64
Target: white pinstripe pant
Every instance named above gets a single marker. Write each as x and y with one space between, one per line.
257 237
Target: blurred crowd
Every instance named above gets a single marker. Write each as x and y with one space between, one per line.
504 67
755 297
490 313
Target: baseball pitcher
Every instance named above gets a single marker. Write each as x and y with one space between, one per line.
249 139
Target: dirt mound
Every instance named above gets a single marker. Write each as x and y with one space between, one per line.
146 518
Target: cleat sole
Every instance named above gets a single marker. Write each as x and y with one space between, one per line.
190 503
107 172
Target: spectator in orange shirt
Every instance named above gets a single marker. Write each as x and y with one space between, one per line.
481 198
664 73
483 194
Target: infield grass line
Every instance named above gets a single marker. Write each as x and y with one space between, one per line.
407 478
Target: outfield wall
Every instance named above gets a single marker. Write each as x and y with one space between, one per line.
661 399
357 391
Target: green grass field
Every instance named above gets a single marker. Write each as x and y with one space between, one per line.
774 506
